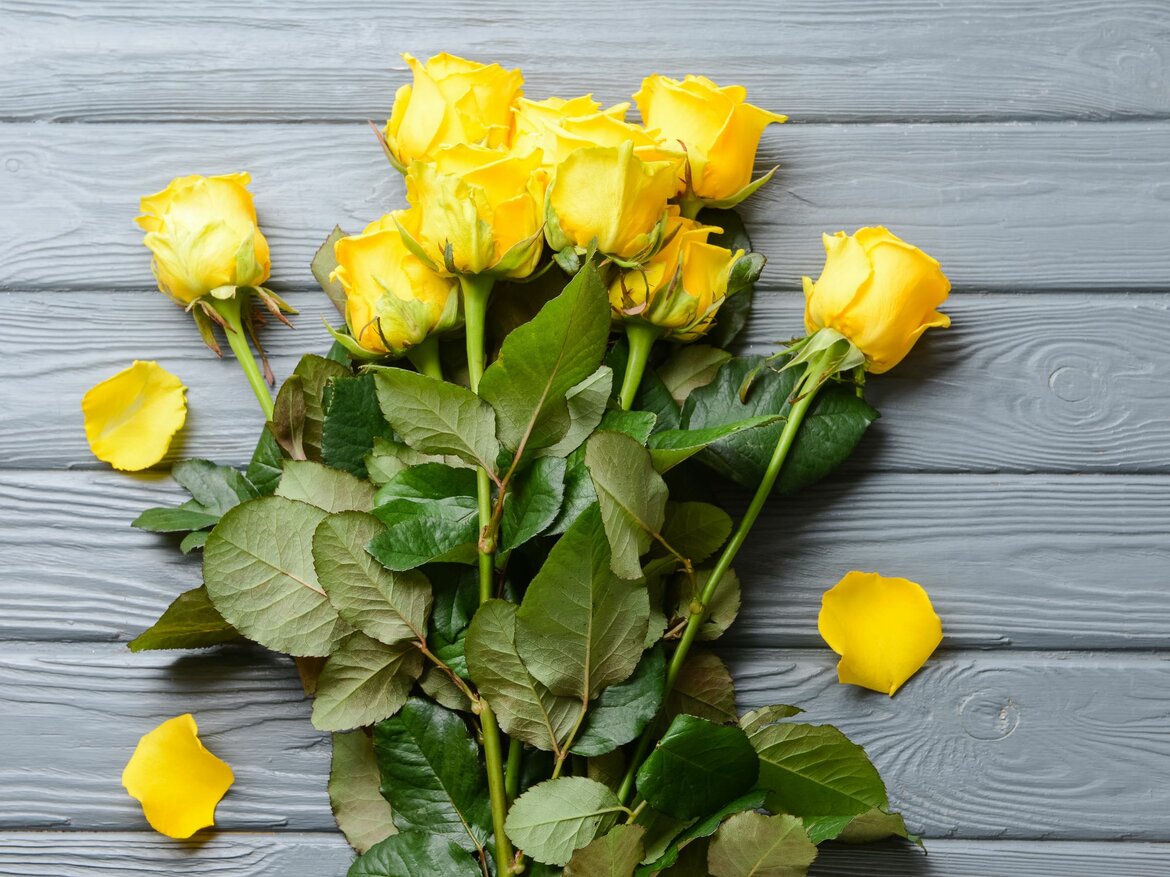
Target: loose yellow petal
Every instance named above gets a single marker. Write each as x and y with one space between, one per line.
884 629
131 418
177 781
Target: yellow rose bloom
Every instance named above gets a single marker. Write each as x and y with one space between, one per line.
203 234
608 195
718 128
131 417
392 300
174 777
535 120
476 210
879 292
452 100
681 288
884 629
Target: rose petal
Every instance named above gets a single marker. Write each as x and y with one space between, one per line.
884 629
131 418
177 781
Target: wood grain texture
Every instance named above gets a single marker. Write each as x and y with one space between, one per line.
292 854
968 748
1052 206
837 60
1025 561
1020 383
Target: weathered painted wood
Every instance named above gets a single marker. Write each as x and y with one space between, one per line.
1026 561
845 59
237 854
979 745
1020 383
1004 206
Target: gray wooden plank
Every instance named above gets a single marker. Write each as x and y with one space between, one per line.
1024 561
844 59
238 854
969 748
1070 382
1003 206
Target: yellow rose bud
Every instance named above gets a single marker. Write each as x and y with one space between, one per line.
476 211
609 196
392 300
681 288
452 100
718 128
879 292
203 233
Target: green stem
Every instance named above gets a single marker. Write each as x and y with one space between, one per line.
689 206
806 390
641 336
425 357
230 310
512 771
476 292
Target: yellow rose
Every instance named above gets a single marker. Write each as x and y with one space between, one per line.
558 128
203 233
452 100
681 288
392 300
879 292
608 195
718 128
476 211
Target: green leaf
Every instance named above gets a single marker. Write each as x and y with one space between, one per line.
436 417
362 814
328 489
432 774
534 502
670 447
705 827
441 688
179 519
363 682
579 492
216 488
722 609
586 403
697 767
812 770
696 530
525 708
456 590
287 422
430 513
873 825
615 854
194 539
415 854
654 396
315 372
692 366
631 494
555 818
636 424
323 264
704 689
755 845
388 458
623 710
661 832
353 422
834 424
733 314
388 606
266 464
258 569
581 628
190 622
542 360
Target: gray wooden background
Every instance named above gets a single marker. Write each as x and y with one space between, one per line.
1020 471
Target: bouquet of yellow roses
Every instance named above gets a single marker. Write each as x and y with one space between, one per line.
484 523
